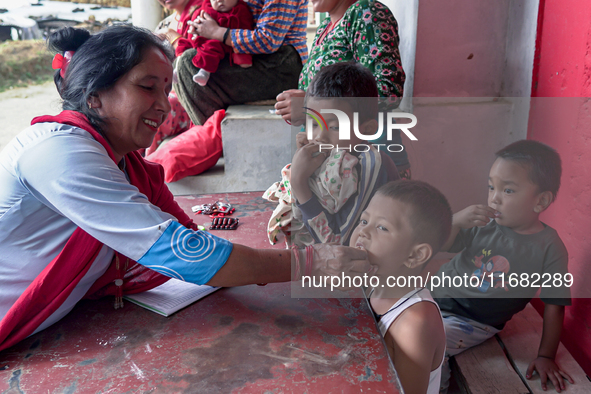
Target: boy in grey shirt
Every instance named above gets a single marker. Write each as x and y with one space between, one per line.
507 253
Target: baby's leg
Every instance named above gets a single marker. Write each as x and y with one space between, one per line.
244 60
207 59
201 77
461 333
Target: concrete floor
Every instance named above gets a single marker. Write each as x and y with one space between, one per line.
18 106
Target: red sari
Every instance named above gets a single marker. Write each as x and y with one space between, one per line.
55 283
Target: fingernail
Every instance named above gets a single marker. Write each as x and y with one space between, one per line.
497 214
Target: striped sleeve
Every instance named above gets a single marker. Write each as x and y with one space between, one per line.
278 22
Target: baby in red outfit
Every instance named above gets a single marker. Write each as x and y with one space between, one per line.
233 14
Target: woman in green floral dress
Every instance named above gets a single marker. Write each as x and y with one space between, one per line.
364 31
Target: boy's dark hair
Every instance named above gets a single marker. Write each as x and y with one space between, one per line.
542 162
347 79
430 214
99 61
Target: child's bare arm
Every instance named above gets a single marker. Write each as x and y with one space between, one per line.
415 340
472 216
544 364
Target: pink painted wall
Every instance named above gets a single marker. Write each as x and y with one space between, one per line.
460 48
560 116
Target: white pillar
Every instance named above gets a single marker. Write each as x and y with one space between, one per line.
146 13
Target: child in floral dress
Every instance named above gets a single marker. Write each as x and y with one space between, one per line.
324 190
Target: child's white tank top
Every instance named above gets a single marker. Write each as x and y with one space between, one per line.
386 320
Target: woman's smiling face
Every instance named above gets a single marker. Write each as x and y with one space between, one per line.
137 104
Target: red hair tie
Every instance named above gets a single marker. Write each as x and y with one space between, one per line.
60 62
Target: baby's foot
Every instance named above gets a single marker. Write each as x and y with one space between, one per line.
201 77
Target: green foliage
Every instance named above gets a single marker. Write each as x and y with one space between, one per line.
24 63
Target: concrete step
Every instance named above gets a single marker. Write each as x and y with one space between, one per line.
257 145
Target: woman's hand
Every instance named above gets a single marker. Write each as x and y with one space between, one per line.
283 106
248 266
336 259
205 26
169 35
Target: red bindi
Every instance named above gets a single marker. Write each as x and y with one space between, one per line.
165 79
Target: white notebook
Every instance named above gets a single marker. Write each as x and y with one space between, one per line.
171 296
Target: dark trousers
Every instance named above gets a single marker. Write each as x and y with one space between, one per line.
269 75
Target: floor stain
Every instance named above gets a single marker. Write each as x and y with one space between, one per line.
14 383
230 361
290 323
35 344
245 356
71 389
87 362
225 321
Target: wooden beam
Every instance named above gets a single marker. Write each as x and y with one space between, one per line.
484 369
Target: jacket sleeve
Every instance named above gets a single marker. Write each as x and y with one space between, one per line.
273 24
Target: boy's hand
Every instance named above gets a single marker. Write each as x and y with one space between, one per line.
305 161
283 106
547 369
474 215
301 139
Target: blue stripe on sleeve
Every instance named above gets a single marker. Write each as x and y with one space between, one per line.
192 256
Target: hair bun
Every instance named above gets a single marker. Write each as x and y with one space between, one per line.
67 39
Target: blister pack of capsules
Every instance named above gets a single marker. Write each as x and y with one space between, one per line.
218 212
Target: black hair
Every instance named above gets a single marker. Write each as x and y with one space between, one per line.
347 79
98 62
542 162
430 214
